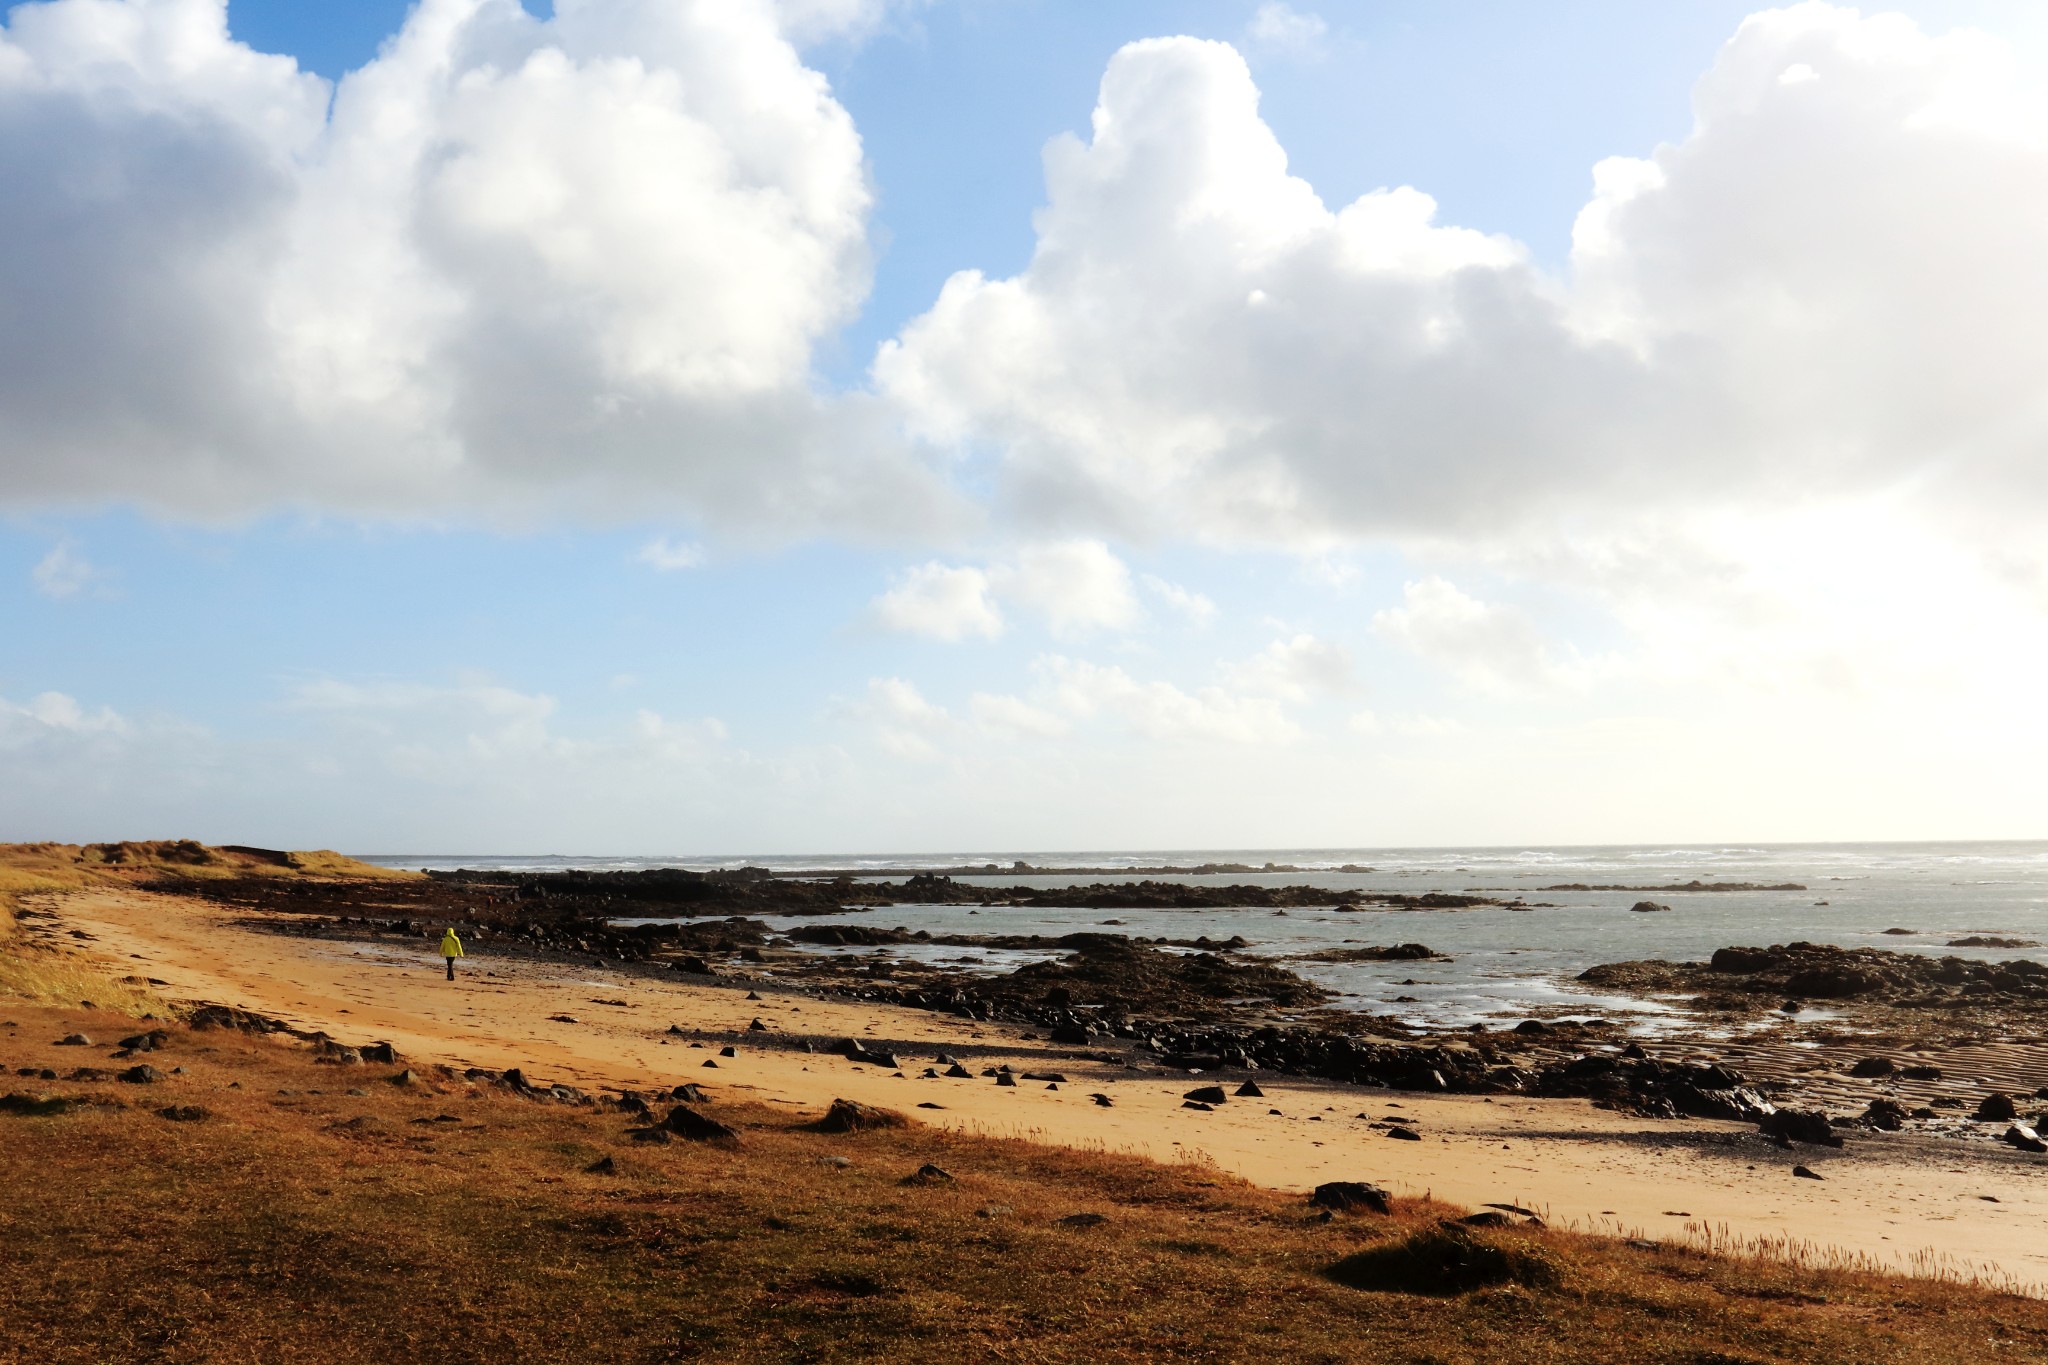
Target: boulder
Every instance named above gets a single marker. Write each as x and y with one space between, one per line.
1404 1134
685 1122
1250 1091
381 1053
1347 1196
1804 1174
1797 1125
1648 907
2024 1137
1996 1107
959 1072
144 1074
1005 1078
1885 1115
1207 1094
74 1040
688 1093
1871 1067
848 1116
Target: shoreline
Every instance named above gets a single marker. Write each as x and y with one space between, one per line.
1894 1198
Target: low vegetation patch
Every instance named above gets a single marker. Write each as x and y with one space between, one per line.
310 1213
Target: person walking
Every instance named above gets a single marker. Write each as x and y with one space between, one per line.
451 948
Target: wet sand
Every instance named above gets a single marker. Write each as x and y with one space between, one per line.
1904 1200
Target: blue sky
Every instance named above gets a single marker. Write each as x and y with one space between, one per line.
441 507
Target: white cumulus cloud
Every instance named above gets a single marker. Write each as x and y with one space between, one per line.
942 601
559 265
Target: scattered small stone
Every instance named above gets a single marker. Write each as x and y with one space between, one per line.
1805 1174
1005 1078
959 1072
927 1104
728 1051
753 995
1197 1104
144 1074
928 1174
74 1040
185 1113
713 1065
757 1027
689 1093
604 1165
565 1018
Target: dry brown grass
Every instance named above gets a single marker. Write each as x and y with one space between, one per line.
268 1233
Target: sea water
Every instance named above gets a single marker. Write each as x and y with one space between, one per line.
1504 964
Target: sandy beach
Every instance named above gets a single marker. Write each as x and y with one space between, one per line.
1900 1200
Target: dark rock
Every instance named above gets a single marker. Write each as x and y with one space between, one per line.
753 995
686 1122
1103 1101
1920 1073
1871 1067
1197 1104
2024 1137
1491 1218
847 1116
688 1093
1532 1026
1250 1091
1794 1125
144 1074
74 1040
1996 1107
862 1057
1005 1078
1082 1220
604 1165
728 1051
1405 1134
928 1174
1805 1174
382 1053
1207 1094
1886 1115
184 1113
757 1027
1346 1196
657 1136
35 1106
959 1072
1053 1076
146 1042
1648 907
927 1104
565 1019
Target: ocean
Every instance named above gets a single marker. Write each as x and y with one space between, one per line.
1504 965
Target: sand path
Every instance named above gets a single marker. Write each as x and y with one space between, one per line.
1909 1202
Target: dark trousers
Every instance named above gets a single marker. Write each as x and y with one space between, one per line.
451 969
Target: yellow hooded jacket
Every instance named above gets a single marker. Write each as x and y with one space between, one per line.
451 946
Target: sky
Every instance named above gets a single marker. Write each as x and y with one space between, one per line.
777 426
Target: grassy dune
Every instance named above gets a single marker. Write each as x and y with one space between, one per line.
27 972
